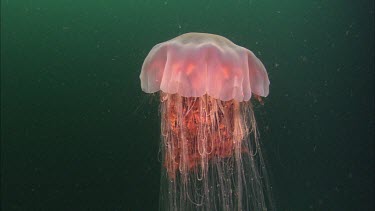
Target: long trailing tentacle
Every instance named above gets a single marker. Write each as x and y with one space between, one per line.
211 155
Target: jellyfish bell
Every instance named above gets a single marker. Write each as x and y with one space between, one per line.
211 156
195 64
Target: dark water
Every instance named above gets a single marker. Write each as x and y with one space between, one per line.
77 133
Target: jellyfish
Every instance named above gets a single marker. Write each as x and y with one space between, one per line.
210 150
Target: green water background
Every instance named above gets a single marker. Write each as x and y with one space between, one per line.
77 132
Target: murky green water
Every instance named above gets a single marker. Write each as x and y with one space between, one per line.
77 133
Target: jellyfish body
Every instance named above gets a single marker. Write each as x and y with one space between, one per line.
211 157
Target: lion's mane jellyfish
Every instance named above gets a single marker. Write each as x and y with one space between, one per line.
211 157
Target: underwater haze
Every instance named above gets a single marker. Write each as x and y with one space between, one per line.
78 133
